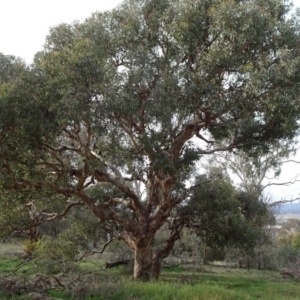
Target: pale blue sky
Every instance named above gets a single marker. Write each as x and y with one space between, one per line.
24 24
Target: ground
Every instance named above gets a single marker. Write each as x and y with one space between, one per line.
90 280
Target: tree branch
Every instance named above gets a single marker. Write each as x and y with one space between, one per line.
282 202
106 163
280 183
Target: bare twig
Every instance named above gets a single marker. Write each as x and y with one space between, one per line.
283 202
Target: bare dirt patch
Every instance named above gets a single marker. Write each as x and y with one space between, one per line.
11 249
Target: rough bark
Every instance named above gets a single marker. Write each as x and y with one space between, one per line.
165 251
143 259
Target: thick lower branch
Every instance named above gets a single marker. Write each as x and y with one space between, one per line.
165 251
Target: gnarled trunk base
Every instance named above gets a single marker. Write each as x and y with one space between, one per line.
147 265
143 260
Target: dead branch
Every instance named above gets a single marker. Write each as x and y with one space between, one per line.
291 160
292 273
59 282
283 202
20 265
280 183
117 263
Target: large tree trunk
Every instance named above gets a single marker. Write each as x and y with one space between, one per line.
143 259
146 264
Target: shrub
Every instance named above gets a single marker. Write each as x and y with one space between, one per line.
55 255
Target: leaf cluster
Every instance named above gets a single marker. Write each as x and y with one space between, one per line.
223 216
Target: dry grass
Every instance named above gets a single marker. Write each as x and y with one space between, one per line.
11 249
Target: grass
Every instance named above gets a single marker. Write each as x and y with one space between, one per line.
90 265
8 265
11 249
212 287
184 286
208 289
177 283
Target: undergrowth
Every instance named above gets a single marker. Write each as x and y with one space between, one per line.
90 281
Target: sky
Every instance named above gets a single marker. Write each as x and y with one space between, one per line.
24 25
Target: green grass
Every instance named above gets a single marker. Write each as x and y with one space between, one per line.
8 265
182 283
185 287
59 295
90 265
226 289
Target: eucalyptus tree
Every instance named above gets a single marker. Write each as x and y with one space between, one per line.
254 174
134 97
221 215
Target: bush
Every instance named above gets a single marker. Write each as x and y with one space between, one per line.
55 255
29 246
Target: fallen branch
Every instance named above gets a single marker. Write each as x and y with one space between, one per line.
117 263
292 273
20 265
59 282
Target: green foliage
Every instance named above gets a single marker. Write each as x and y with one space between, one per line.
221 215
296 240
122 96
14 214
30 246
83 231
102 192
12 217
174 57
55 255
285 257
288 234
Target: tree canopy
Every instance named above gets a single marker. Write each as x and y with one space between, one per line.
134 97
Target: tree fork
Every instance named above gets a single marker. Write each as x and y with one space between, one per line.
165 251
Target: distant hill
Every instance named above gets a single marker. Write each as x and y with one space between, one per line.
290 208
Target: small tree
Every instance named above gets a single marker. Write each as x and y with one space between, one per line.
250 173
121 98
222 215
